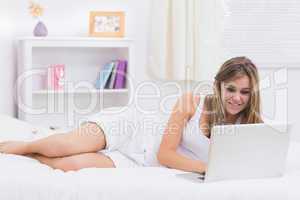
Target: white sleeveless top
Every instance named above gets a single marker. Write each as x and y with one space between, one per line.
194 143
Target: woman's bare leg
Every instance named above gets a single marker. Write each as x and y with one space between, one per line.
76 162
85 139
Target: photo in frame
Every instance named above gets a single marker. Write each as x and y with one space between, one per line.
106 24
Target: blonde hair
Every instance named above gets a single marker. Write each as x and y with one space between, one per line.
232 69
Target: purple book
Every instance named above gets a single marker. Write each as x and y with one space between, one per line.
121 75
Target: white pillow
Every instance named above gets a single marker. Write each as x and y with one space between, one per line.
15 129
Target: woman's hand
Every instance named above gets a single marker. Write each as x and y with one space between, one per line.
201 167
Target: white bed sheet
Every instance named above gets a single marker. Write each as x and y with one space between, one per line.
25 178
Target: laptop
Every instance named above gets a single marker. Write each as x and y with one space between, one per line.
245 151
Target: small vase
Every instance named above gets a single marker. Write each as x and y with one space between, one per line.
40 30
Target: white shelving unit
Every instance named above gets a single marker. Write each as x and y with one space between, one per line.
93 91
83 58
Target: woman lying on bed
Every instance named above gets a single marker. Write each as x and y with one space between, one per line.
184 144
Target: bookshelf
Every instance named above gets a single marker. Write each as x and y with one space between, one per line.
83 58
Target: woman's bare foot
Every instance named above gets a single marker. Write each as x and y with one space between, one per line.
14 147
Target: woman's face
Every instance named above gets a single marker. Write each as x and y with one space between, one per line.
236 94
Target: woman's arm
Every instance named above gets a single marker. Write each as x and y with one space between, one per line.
183 110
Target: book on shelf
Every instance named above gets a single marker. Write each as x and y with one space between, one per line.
112 75
112 78
104 75
55 77
120 79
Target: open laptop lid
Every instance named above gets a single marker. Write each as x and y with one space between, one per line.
247 151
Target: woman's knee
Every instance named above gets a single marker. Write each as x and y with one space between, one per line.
65 164
88 160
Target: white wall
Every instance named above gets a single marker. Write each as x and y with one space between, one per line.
63 18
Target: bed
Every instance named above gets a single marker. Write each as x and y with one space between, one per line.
24 178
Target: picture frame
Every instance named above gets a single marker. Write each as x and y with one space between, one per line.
106 24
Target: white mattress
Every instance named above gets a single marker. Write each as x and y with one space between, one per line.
25 178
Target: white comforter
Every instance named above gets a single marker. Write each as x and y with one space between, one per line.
25 178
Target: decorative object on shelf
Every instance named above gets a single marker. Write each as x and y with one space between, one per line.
107 24
56 77
40 30
36 11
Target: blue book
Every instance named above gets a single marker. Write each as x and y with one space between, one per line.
104 75
110 84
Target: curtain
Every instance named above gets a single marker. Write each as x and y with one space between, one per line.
184 39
